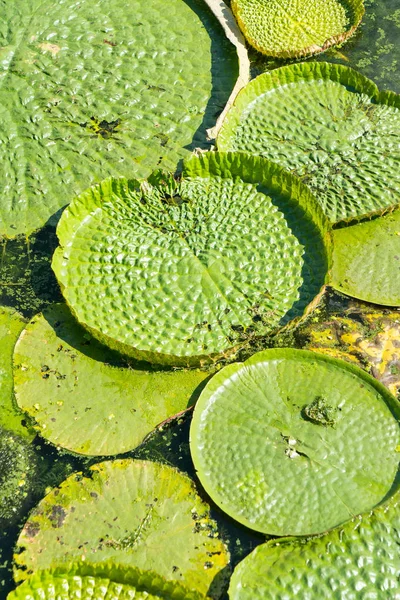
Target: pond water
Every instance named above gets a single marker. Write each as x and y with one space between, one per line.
27 284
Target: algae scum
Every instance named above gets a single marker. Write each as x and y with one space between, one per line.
199 299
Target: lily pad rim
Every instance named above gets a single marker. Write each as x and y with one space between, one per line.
116 573
217 381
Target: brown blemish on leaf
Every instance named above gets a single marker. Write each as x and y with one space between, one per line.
57 516
53 48
32 529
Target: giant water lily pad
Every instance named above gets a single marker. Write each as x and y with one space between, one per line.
79 395
11 418
185 272
367 259
106 581
292 442
134 513
330 126
359 560
294 28
101 88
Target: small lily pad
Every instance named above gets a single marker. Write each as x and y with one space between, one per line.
367 259
291 442
186 272
359 560
100 581
81 398
291 29
327 124
133 513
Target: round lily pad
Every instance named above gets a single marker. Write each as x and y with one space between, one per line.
11 418
359 560
294 443
295 28
81 398
133 513
367 259
100 581
94 89
184 272
328 125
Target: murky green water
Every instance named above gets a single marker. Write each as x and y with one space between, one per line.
28 285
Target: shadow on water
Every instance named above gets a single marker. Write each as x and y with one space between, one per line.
224 72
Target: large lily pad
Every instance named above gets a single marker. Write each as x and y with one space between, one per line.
78 400
294 28
330 126
105 581
101 88
359 560
185 272
11 418
367 259
133 513
292 442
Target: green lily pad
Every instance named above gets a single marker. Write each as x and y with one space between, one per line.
367 259
11 418
103 88
291 29
359 560
100 581
78 395
291 442
184 272
133 513
328 125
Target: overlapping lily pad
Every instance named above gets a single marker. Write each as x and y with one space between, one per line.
79 395
367 259
330 126
94 89
11 418
292 442
359 560
133 513
185 272
106 581
295 28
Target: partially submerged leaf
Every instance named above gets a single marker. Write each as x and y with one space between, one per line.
328 125
185 272
133 513
359 560
18 469
78 400
11 418
106 580
294 443
367 259
103 88
365 336
295 28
